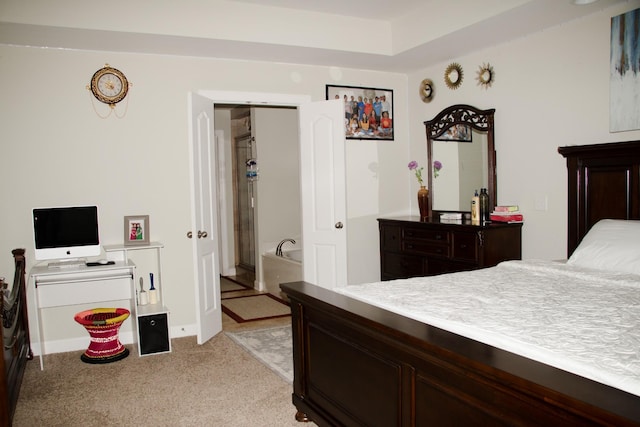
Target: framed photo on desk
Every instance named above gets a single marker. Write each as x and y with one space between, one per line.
136 230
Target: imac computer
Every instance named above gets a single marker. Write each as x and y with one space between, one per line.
66 235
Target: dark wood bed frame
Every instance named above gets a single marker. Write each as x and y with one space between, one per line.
359 365
16 347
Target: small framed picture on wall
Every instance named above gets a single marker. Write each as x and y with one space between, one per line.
136 230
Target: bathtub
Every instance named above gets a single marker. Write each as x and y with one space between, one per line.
281 269
293 254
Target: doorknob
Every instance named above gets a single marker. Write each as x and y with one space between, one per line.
189 234
339 224
202 234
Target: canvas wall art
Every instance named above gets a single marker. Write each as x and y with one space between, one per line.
624 92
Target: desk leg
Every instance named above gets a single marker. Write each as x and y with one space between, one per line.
39 329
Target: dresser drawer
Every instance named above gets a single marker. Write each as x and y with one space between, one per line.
390 237
465 246
425 247
402 266
425 234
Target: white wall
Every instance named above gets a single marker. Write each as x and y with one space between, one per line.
57 151
551 89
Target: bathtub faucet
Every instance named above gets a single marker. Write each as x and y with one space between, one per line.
279 248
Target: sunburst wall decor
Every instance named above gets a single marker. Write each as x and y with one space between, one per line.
426 90
453 76
486 75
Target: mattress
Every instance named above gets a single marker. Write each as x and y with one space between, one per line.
584 321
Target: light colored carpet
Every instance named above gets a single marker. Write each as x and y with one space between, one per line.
271 346
254 307
215 384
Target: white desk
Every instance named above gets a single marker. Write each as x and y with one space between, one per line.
56 287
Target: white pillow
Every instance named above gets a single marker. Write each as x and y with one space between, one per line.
612 245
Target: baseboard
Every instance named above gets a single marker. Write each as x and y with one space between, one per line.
81 343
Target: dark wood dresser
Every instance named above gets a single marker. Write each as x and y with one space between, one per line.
409 247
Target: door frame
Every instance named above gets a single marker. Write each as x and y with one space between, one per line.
247 98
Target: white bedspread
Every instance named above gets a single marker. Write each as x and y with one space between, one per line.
580 320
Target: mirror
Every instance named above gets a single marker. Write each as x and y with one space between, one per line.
461 158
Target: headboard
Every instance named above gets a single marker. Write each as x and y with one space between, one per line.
603 182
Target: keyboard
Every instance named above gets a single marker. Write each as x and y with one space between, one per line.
76 263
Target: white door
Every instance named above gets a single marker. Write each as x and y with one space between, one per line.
323 186
204 222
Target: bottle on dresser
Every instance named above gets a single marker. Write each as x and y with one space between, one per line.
475 209
484 206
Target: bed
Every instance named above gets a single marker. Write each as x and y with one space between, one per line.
356 363
16 348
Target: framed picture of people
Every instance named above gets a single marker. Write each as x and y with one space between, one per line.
368 111
136 230
459 132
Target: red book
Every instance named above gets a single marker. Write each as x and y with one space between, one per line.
507 218
507 208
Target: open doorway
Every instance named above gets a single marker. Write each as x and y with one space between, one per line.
262 200
322 190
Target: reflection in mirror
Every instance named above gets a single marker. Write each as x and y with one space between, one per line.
465 164
463 171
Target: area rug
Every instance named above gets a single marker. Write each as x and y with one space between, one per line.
272 346
228 285
255 307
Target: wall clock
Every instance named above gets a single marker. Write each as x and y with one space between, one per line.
426 90
109 85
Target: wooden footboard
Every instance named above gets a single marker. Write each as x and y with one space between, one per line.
358 365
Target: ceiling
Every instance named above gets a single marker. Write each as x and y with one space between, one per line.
374 9
423 32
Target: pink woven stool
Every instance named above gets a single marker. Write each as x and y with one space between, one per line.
103 325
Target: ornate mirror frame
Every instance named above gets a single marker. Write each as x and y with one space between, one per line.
480 120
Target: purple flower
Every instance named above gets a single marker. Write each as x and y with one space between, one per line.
413 166
437 165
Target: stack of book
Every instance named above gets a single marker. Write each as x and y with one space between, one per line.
508 213
451 217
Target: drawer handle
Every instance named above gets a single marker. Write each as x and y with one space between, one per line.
463 246
409 246
438 236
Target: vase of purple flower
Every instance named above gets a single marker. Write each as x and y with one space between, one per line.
423 192
423 203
